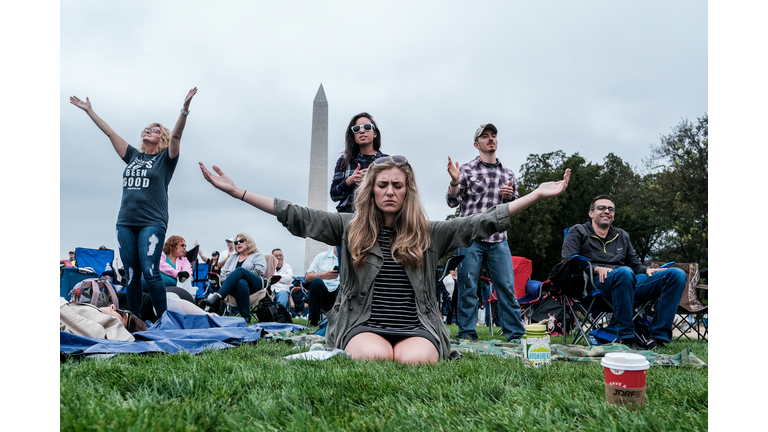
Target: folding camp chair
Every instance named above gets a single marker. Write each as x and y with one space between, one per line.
533 290
594 315
96 259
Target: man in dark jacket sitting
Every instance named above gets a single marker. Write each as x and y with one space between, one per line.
618 272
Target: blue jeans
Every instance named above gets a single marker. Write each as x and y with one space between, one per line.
283 298
624 287
497 259
140 249
240 284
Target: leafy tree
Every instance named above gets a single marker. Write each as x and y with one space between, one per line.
680 166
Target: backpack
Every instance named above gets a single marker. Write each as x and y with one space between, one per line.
551 309
269 310
568 278
96 291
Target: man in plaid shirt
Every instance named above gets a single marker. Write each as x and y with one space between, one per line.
477 186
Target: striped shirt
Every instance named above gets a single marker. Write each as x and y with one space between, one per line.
479 184
394 301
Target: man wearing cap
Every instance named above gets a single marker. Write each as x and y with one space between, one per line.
227 252
477 186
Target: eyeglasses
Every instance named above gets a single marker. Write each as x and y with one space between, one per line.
396 159
602 208
153 130
366 127
239 241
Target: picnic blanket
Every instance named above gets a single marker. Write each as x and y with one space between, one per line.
560 352
174 332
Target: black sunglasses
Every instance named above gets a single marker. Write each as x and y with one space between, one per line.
239 241
396 159
366 127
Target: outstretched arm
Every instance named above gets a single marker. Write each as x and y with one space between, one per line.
175 144
545 190
120 145
225 184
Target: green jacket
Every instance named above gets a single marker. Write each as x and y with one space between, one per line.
353 302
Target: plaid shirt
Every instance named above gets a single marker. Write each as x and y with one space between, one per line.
479 184
342 193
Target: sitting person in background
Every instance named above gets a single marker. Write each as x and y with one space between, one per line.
174 264
85 319
282 288
213 261
242 275
619 273
323 279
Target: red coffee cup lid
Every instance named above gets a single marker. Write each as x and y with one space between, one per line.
625 361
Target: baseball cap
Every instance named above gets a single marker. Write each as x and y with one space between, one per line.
483 127
232 239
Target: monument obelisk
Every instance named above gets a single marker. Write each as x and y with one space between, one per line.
318 170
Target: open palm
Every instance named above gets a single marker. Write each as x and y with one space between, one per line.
84 105
550 189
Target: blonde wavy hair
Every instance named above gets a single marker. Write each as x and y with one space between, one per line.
165 138
411 227
248 241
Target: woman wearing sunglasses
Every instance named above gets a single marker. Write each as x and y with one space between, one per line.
242 275
362 143
143 216
386 306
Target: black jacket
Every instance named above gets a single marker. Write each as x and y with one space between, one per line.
613 251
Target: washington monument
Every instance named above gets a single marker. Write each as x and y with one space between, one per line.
318 170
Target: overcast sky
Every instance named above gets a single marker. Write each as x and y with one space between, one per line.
591 77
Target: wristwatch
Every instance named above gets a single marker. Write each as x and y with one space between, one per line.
184 112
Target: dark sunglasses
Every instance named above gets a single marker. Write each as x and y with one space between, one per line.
602 208
239 241
366 127
396 159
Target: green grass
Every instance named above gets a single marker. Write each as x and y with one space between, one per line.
253 388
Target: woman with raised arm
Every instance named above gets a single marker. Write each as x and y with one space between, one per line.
143 216
390 251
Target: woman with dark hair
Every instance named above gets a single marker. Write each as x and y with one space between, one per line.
173 261
362 143
386 307
143 216
242 275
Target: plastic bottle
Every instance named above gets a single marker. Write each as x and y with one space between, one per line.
536 350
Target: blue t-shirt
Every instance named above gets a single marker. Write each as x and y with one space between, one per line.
145 188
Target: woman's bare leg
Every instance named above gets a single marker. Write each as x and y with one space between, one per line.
415 350
369 346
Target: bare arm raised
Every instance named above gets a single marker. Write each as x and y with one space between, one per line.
545 190
118 143
225 184
175 143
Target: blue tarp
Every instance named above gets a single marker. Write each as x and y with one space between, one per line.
176 332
